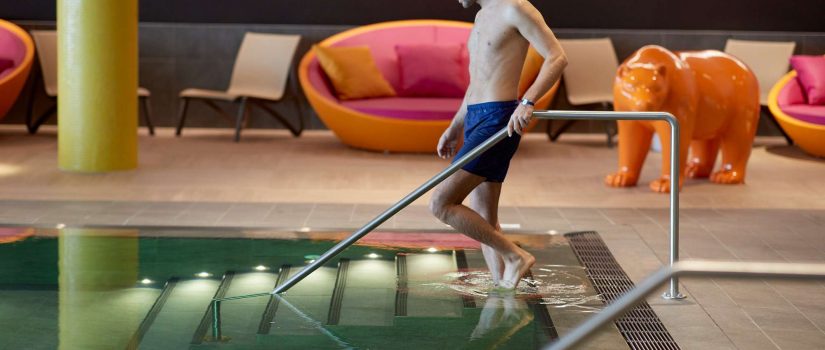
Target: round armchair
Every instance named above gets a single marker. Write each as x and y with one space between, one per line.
16 56
804 124
397 124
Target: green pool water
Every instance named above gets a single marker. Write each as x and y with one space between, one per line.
126 288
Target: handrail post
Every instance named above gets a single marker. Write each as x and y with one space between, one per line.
216 320
675 177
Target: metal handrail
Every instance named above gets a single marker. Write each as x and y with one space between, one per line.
696 268
673 292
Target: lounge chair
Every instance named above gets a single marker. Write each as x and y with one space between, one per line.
260 75
46 43
588 79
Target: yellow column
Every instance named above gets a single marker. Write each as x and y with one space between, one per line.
97 85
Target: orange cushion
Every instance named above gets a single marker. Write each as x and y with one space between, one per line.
353 72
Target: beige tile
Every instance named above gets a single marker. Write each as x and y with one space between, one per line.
779 319
798 340
750 340
752 293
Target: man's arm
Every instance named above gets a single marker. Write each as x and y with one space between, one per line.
530 23
449 139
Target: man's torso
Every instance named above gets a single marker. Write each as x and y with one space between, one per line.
497 52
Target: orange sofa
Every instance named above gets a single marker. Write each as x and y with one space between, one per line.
372 124
17 50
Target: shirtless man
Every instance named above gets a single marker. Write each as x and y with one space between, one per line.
503 31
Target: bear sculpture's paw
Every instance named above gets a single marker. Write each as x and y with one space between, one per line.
728 177
621 179
697 171
662 184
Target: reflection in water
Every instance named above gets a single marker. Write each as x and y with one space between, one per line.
14 234
96 267
503 315
313 323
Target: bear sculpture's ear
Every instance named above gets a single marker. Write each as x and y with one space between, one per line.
623 70
661 71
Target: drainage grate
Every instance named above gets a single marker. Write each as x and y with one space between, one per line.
640 327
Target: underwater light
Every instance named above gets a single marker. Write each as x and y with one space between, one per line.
261 268
432 250
146 281
373 256
204 274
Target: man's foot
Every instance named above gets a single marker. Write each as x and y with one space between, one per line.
494 263
515 268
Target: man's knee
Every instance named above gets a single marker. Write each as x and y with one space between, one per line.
439 206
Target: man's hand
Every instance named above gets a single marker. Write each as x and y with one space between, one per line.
448 142
520 120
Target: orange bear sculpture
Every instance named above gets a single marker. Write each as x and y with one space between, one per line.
714 96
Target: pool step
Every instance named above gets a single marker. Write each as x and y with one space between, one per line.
367 298
150 317
311 296
242 318
181 314
420 298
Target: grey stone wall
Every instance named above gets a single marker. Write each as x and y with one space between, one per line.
178 56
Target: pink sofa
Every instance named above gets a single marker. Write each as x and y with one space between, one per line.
398 124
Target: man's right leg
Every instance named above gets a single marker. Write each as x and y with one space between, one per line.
446 205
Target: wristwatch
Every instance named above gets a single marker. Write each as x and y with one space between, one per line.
526 102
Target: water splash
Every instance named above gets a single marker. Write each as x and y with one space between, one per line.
558 286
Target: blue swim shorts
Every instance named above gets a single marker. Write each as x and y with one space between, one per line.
482 121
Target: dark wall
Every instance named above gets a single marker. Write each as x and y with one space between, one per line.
175 56
749 15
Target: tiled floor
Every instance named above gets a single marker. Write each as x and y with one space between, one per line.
271 180
271 166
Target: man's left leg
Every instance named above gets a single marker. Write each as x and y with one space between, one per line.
484 201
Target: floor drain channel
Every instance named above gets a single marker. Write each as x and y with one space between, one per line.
640 327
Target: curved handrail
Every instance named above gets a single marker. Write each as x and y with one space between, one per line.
570 115
696 268
672 293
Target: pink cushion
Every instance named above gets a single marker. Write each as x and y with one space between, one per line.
11 47
811 73
407 108
431 70
792 103
808 113
791 94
